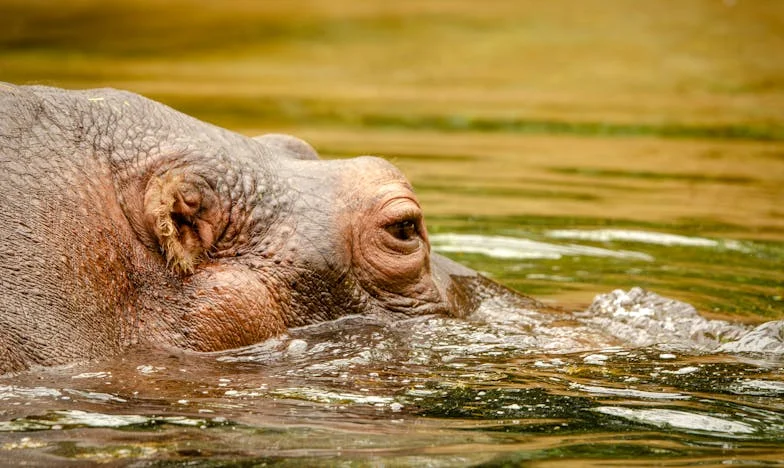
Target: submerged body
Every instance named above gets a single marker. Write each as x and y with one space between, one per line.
123 221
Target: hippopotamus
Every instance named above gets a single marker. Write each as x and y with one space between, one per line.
123 221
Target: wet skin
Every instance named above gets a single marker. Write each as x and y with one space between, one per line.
125 222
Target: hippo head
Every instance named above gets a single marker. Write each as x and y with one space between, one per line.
264 235
250 236
124 221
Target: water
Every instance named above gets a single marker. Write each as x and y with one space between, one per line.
571 152
507 386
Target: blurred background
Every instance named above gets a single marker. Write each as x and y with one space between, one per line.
650 132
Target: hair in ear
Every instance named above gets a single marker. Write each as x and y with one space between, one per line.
181 214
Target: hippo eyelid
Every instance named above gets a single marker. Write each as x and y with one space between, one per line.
404 230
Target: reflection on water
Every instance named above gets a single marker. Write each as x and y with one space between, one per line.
509 247
608 235
634 375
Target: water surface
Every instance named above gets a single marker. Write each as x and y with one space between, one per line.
635 376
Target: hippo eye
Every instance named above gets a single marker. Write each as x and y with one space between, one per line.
401 227
405 230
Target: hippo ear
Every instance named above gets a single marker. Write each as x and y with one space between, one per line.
182 213
288 146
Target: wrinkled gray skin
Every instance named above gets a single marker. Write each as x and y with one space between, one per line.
123 221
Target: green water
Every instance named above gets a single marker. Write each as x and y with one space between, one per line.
550 122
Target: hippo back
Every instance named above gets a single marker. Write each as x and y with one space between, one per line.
62 272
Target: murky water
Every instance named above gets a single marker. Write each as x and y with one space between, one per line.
636 375
572 152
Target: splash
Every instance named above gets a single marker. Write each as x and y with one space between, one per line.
683 420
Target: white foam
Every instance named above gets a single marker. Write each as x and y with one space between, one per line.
60 419
642 318
146 369
629 392
765 338
677 419
682 370
10 391
92 375
90 419
758 387
321 396
596 359
95 395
